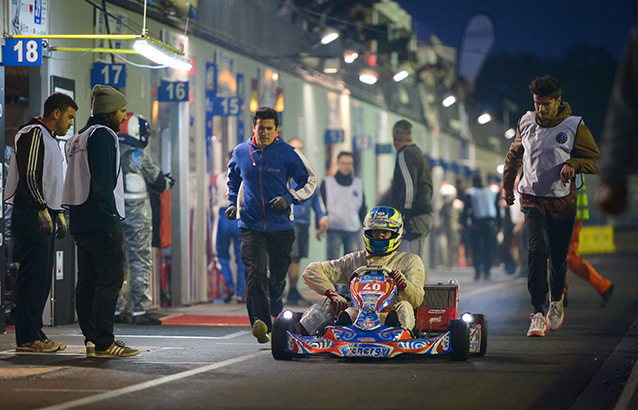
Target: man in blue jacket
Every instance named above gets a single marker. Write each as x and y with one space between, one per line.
266 176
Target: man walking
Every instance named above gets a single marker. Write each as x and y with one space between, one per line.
411 189
266 176
551 145
34 188
94 192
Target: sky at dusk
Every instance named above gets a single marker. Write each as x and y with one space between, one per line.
542 28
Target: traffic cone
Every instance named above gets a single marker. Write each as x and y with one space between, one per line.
462 260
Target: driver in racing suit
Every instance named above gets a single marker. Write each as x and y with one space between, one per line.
141 174
382 231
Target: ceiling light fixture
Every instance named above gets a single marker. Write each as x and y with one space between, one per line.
484 118
159 55
368 76
400 76
329 35
449 100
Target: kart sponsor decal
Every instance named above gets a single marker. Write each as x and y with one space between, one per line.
436 311
365 350
435 319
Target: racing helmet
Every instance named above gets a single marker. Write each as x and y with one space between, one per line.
383 218
135 130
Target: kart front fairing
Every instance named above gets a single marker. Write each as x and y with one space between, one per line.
372 290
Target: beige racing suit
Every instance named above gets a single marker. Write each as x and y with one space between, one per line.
321 276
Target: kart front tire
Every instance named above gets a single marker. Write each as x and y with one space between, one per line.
481 320
280 329
460 341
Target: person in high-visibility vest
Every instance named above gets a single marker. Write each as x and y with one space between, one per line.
577 263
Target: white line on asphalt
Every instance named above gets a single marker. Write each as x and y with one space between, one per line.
64 390
496 286
228 336
151 383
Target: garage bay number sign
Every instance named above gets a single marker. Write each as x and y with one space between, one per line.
22 52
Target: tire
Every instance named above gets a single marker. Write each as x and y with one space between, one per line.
280 329
459 340
481 320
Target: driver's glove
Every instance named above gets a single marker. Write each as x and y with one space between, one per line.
339 303
231 212
45 222
279 203
400 279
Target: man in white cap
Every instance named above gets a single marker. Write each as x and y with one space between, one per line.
94 193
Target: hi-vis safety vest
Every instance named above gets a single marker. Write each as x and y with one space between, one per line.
78 173
53 170
582 205
546 150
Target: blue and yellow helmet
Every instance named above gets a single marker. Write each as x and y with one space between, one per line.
383 218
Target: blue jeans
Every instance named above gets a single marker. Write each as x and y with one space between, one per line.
35 254
351 241
228 231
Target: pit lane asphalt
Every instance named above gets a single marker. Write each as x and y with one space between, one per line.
585 365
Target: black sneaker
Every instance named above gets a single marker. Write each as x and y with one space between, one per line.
146 319
276 307
392 319
229 296
344 319
606 295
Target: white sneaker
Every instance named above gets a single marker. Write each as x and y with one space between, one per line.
538 326
555 315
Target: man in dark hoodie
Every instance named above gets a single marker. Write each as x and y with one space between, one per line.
94 192
551 146
34 187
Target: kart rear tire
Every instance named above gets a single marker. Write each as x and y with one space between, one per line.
280 329
480 319
459 340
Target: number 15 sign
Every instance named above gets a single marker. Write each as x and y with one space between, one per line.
22 52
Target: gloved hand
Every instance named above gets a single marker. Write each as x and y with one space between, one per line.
338 302
279 203
231 212
44 219
400 279
60 222
170 180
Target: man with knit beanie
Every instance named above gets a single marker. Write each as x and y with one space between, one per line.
93 192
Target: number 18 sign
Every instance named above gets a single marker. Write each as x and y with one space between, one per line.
23 52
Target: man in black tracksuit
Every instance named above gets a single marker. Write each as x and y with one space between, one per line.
411 191
34 187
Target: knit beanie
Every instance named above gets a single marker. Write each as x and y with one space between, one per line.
105 99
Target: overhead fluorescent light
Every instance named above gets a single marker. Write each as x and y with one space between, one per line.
161 56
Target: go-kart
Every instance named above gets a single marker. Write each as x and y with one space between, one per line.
437 332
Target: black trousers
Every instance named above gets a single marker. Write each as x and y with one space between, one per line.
100 277
548 239
484 245
263 252
35 254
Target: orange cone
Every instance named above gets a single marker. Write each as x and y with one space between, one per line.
462 260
